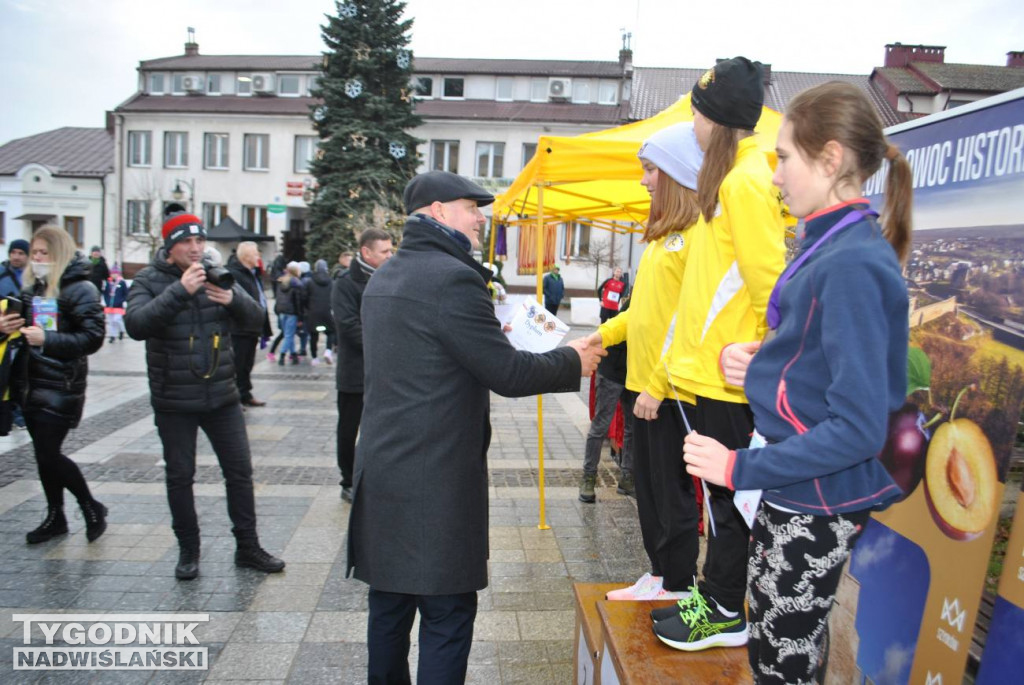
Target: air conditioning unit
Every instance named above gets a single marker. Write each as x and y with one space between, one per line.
559 88
263 83
193 83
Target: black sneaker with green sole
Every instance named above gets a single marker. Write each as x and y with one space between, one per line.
701 626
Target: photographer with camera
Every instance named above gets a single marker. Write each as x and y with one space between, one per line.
186 319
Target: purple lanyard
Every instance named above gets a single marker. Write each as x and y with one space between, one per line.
773 315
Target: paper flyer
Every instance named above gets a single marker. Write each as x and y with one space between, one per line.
535 329
44 313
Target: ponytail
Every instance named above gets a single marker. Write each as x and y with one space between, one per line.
896 215
718 162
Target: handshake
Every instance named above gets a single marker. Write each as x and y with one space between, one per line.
590 351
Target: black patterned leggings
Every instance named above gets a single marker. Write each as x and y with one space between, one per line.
793 570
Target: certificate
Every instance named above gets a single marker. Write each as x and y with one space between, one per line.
535 329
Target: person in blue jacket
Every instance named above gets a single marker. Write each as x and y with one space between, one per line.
115 294
823 387
554 289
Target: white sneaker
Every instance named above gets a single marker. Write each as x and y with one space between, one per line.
314 361
646 585
662 593
328 356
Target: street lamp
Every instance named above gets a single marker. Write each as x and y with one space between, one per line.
179 194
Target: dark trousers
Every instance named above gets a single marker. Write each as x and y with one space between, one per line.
350 411
725 566
793 580
553 307
446 635
244 347
56 471
665 499
225 427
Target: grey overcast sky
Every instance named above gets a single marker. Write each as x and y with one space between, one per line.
65 62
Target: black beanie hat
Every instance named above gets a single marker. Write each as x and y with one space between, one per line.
179 225
731 93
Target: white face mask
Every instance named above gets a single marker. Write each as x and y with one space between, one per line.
41 269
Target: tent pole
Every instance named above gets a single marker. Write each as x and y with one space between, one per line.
542 524
490 250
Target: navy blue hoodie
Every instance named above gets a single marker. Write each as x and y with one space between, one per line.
822 389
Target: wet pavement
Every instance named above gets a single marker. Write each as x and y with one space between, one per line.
308 624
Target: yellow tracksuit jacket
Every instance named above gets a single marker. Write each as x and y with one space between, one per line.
652 307
734 262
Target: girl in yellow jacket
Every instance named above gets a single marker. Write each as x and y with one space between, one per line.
736 256
664 492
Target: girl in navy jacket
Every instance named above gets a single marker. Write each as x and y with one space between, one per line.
823 387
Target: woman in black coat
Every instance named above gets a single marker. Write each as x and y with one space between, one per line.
65 326
318 312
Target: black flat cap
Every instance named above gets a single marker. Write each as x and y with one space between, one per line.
442 186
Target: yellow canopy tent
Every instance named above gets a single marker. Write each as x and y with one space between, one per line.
593 178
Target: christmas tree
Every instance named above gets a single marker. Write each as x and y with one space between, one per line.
366 153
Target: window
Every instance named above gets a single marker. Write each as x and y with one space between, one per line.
215 150
506 88
608 93
539 90
140 148
213 84
529 150
75 226
254 218
257 152
213 214
156 84
3 229
244 84
423 86
305 152
581 91
137 216
178 83
575 240
312 83
444 155
175 149
288 84
490 159
453 87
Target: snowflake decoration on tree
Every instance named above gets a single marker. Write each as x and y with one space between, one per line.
397 150
353 87
347 10
319 113
403 59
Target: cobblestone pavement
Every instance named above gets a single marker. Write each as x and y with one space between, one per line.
306 625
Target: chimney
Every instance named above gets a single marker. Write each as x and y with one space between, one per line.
626 61
1015 58
900 55
191 46
767 69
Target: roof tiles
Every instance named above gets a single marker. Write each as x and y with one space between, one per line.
65 151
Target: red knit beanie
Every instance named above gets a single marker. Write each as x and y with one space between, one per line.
179 225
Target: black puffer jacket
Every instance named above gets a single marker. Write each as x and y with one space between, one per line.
252 286
291 298
52 378
319 311
188 347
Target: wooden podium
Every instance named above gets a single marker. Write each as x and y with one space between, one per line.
615 644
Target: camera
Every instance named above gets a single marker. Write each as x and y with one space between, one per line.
218 275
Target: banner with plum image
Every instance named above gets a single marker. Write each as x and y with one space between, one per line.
909 604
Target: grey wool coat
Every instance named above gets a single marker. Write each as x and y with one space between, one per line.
433 352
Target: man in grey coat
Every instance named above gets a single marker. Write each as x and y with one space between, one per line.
433 352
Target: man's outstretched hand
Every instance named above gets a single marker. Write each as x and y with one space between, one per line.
590 354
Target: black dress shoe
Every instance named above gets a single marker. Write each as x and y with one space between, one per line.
254 556
346 493
188 563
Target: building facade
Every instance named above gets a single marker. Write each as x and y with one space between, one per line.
59 177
